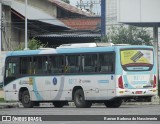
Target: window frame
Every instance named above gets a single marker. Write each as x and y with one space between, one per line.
80 55
11 59
114 62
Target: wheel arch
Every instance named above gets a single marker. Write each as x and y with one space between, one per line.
74 90
21 90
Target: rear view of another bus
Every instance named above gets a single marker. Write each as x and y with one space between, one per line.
136 73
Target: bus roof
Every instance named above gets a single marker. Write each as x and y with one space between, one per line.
73 50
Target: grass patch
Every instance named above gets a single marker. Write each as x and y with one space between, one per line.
2 100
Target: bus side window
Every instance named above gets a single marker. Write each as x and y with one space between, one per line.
26 65
50 64
11 69
72 64
106 62
56 64
45 64
89 63
39 65
11 72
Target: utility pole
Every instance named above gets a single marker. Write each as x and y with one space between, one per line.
103 17
155 42
26 43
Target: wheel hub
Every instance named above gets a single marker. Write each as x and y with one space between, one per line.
26 99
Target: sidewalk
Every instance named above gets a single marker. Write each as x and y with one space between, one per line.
8 105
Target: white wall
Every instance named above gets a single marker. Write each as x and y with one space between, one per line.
2 60
138 10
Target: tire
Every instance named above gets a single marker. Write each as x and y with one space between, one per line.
113 104
79 100
26 102
58 104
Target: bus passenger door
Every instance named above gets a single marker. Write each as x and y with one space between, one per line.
11 74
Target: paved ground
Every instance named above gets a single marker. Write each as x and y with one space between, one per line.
132 110
95 110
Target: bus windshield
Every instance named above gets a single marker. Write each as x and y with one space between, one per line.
137 59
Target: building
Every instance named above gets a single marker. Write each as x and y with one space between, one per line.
94 6
84 27
111 12
42 16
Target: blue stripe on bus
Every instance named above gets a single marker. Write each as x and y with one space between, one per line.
103 81
35 90
126 82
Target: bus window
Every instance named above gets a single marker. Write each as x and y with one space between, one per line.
26 65
89 63
56 64
45 65
40 65
106 62
11 71
72 64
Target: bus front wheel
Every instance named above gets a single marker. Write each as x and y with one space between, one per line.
26 102
79 99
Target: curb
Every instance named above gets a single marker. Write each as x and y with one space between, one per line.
19 105
140 103
9 105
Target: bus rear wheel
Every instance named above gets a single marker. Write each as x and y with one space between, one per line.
113 103
26 102
79 100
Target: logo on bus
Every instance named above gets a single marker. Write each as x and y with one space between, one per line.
54 80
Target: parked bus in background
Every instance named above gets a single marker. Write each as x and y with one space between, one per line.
84 73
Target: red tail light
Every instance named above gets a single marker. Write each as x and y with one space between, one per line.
155 82
120 82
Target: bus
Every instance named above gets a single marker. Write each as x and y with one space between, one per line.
84 73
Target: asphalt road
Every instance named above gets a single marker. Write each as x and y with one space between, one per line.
131 110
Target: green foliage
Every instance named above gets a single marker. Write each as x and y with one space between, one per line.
1 85
2 100
32 45
128 35
66 1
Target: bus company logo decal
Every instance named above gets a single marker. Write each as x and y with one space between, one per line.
74 81
54 81
86 81
23 82
112 77
30 81
126 85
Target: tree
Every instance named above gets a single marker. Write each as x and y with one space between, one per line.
66 1
32 45
128 35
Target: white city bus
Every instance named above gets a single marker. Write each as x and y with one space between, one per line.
84 73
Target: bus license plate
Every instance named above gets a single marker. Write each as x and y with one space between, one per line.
138 92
